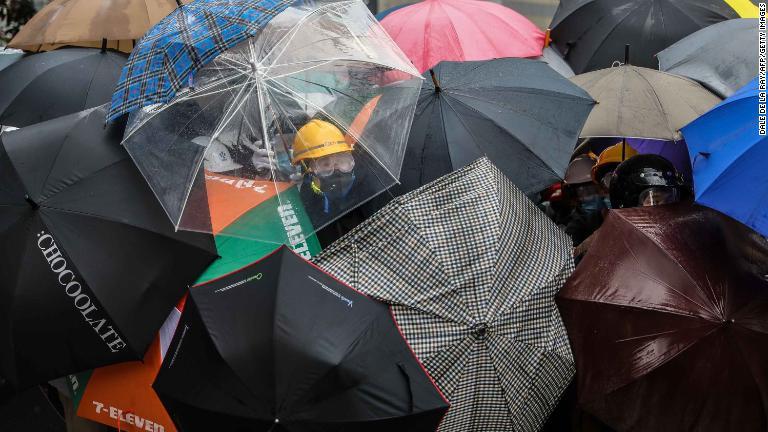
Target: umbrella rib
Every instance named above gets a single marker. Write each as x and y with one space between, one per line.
632 306
613 29
658 102
660 282
119 222
545 166
56 159
323 62
671 358
295 29
701 191
440 6
196 93
672 259
514 306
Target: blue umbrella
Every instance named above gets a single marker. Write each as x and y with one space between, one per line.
728 156
183 42
380 16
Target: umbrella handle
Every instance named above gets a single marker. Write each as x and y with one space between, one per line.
118 420
407 376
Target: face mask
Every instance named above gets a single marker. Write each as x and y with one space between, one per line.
337 185
593 204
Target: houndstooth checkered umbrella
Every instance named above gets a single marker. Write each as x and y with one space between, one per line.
470 268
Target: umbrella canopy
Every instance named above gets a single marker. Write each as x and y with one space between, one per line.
520 113
674 151
470 267
721 63
591 34
31 410
727 153
92 264
300 351
638 102
41 87
9 57
320 80
128 386
432 31
182 43
690 350
380 16
113 24
553 58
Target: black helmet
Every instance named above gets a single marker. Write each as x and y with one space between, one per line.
639 174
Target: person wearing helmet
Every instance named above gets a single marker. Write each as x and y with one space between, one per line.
646 180
588 200
326 159
608 160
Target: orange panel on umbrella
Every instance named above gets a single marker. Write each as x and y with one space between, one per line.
231 197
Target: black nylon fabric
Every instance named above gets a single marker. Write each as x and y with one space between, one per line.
520 113
282 346
591 34
47 85
68 182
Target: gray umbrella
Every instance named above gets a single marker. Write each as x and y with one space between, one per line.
553 58
470 268
637 102
723 56
9 57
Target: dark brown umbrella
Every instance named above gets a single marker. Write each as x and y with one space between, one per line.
668 319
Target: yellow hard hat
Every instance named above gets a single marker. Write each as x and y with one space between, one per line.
610 158
316 139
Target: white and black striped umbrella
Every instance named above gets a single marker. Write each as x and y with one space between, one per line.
470 268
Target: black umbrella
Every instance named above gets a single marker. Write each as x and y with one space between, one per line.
520 113
89 262
592 34
52 84
282 346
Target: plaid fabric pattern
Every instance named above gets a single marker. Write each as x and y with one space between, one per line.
470 268
183 42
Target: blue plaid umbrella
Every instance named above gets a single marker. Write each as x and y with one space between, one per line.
183 42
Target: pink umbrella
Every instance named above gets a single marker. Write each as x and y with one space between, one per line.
432 31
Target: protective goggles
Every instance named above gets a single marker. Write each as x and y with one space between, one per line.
326 165
657 196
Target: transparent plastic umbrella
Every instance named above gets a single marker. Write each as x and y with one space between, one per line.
284 133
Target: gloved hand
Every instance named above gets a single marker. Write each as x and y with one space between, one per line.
263 159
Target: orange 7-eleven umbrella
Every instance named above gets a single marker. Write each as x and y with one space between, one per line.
121 395
115 24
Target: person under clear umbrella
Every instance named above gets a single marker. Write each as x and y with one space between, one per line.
334 173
